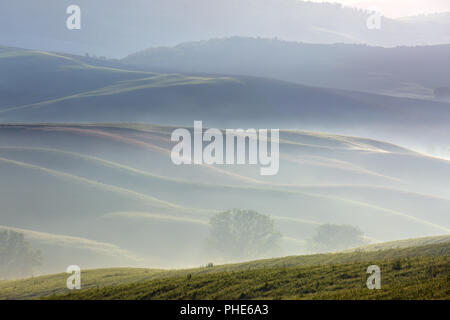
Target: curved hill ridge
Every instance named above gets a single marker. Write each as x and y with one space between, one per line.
64 88
103 182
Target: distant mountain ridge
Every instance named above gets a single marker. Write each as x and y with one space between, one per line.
115 28
403 71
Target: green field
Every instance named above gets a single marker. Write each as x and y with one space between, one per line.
420 272
416 278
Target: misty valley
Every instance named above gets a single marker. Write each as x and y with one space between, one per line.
224 150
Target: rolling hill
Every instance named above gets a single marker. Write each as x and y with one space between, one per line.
86 145
344 66
420 272
47 87
75 190
414 282
82 187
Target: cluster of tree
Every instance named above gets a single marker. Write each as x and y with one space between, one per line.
17 258
238 235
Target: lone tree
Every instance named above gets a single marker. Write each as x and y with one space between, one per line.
332 237
242 234
17 257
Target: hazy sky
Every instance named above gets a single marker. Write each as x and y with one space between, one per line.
398 8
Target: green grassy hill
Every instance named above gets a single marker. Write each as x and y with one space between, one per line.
407 243
412 278
422 271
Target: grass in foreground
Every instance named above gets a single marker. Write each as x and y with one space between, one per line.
409 278
423 274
